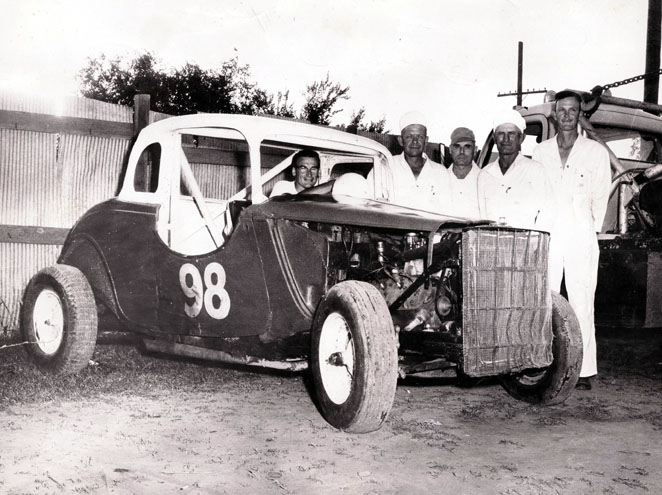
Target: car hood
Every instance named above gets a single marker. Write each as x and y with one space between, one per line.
359 212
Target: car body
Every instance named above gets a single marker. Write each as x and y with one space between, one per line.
629 287
193 258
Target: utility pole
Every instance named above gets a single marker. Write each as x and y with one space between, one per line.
652 78
520 67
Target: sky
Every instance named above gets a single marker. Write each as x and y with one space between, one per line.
445 58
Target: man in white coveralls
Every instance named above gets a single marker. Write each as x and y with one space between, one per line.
463 174
514 190
580 174
418 181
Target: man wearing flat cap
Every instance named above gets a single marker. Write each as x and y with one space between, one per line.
514 190
419 182
463 175
580 175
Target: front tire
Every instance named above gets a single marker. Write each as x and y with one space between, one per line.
555 383
354 358
59 319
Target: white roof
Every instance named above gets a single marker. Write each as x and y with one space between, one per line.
264 128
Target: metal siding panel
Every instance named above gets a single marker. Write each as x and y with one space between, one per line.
18 263
156 116
91 168
28 172
49 180
66 106
218 181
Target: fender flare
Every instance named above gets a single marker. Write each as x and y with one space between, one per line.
83 252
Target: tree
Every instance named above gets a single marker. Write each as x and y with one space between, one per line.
356 123
282 106
113 81
192 89
189 89
321 97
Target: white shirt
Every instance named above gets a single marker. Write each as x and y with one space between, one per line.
464 194
429 191
521 197
581 189
283 187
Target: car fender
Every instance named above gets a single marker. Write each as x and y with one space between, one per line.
83 252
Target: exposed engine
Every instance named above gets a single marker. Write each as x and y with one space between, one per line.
422 294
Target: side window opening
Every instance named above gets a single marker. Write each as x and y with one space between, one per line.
275 160
632 145
146 178
533 137
212 170
361 168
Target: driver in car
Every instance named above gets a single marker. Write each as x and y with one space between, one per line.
305 170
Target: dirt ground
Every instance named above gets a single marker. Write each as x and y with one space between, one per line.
143 424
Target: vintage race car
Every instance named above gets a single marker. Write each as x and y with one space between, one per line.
193 258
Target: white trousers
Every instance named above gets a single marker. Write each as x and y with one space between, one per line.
577 259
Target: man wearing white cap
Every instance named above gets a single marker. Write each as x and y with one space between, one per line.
418 182
580 174
514 190
463 175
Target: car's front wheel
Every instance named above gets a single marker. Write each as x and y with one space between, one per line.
59 319
553 385
354 358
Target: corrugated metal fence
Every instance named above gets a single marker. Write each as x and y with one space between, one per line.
57 158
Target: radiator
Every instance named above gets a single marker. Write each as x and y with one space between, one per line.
507 308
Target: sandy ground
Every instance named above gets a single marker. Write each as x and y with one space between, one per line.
251 432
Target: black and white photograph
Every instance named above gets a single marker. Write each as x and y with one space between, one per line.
306 247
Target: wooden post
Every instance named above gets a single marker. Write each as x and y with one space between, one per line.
141 105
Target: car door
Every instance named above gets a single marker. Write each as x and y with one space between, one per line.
210 279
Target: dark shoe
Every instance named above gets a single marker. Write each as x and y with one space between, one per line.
583 384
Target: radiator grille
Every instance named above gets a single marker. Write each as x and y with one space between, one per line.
506 301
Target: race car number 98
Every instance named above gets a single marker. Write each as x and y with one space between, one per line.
212 295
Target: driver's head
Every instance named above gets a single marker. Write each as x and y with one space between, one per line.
305 169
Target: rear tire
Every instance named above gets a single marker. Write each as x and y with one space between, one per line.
354 358
59 319
554 384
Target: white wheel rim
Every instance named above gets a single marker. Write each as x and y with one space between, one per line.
336 358
48 321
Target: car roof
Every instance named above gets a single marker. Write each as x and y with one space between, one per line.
608 115
269 128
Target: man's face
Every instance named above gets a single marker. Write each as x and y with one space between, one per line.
567 113
463 153
413 140
508 139
306 172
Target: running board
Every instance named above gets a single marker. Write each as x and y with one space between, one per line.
215 355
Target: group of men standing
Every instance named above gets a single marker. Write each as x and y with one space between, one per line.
563 189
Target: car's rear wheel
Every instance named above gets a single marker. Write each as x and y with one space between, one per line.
59 319
354 358
553 385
